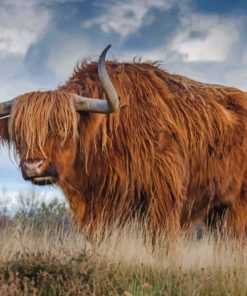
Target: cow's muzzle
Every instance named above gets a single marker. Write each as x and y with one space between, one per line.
39 172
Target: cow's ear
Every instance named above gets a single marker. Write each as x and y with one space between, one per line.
4 133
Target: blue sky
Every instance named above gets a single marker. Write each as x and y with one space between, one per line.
41 41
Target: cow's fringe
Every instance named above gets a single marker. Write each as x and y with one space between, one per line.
38 116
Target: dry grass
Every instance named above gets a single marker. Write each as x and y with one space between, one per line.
59 261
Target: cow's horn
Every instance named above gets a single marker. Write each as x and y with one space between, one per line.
109 105
5 108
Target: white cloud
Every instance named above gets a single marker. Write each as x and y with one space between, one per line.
66 52
207 38
156 54
127 17
14 87
22 23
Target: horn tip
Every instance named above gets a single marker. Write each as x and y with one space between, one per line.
108 46
104 52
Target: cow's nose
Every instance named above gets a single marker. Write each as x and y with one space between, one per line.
33 168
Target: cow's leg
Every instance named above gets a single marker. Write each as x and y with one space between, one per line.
77 206
164 220
215 217
235 221
228 219
78 210
236 216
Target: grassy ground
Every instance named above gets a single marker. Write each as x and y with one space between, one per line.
57 260
41 253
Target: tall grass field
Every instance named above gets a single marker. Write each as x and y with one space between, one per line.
41 253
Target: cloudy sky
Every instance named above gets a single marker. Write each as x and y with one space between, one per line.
41 41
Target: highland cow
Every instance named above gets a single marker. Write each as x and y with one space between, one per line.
135 141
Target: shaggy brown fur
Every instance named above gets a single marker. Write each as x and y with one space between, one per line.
174 150
36 115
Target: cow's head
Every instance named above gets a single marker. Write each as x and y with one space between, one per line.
43 128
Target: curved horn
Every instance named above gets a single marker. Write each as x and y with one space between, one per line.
112 97
109 105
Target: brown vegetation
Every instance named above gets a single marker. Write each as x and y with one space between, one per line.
119 261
